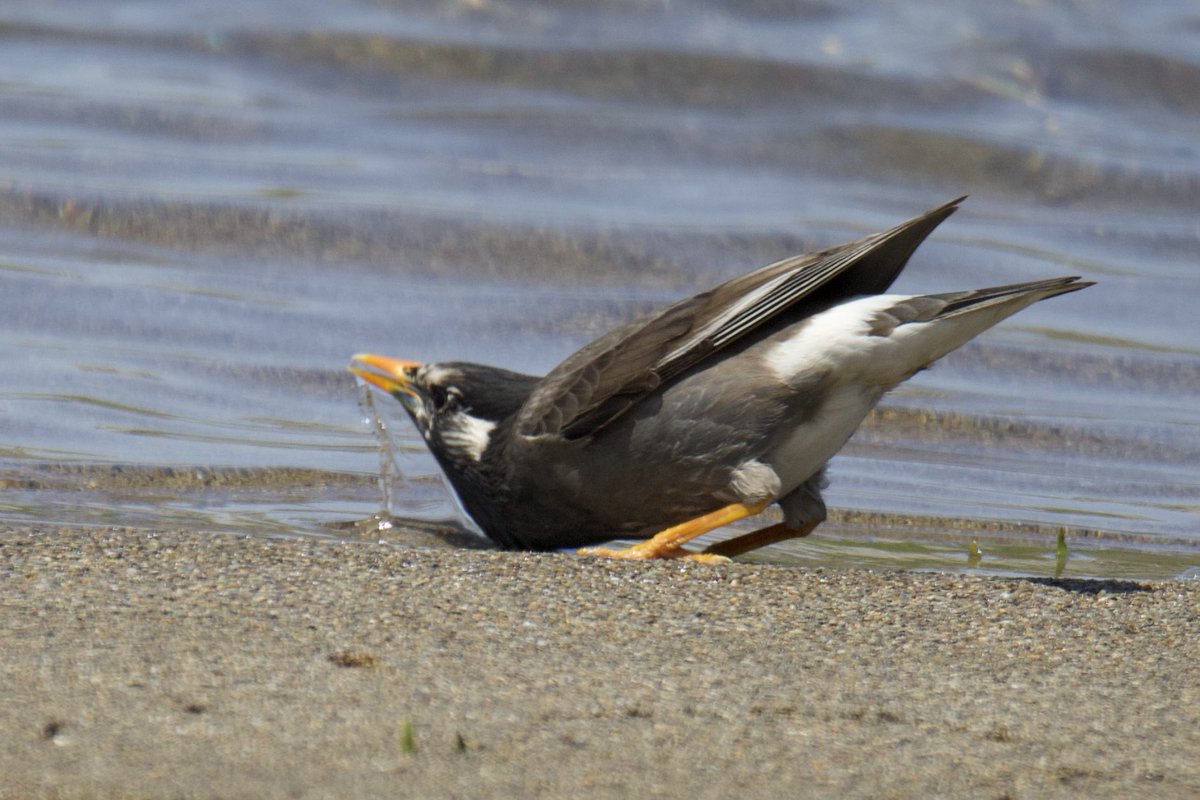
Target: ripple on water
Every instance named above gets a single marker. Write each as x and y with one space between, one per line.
206 213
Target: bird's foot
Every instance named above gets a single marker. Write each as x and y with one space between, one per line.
669 543
701 558
639 552
762 537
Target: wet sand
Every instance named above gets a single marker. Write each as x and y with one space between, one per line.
191 665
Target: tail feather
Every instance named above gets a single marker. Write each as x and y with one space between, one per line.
1022 294
925 328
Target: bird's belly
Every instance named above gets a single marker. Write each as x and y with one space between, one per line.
807 447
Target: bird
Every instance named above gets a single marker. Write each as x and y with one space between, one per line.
700 413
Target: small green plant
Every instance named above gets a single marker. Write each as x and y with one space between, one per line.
974 554
1060 557
408 744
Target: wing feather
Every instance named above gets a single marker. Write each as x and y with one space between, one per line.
603 380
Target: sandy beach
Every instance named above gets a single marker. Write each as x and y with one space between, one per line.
184 665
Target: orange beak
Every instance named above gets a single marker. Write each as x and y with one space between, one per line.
389 374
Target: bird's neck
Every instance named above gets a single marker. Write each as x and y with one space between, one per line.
473 464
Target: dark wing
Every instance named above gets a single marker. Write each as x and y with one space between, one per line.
600 382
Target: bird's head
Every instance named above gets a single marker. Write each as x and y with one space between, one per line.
455 405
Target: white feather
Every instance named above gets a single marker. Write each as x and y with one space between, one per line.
838 339
837 349
841 340
467 435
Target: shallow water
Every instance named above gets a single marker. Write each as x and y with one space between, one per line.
205 212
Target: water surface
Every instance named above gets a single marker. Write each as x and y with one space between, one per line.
206 211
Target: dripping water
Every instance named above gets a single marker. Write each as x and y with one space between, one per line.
387 454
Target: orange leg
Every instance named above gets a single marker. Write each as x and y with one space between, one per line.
759 538
669 543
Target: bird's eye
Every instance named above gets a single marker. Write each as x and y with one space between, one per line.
443 398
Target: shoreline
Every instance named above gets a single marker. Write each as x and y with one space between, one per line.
181 664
